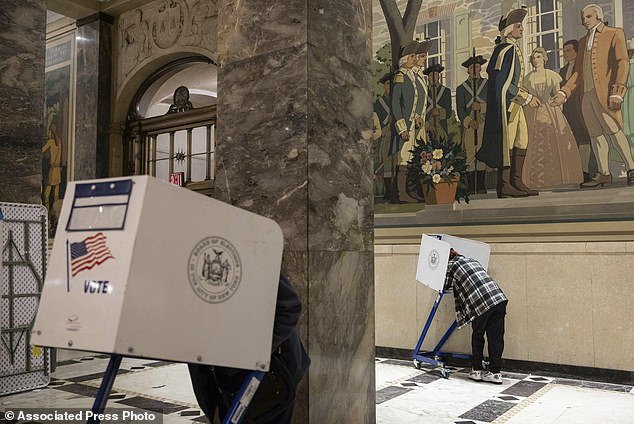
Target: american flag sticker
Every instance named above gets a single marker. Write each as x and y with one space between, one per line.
89 253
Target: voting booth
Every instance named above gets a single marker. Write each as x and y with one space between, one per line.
431 271
143 268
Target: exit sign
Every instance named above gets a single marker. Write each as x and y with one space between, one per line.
177 178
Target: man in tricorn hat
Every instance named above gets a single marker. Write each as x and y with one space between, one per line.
382 139
438 102
422 83
471 105
405 98
505 130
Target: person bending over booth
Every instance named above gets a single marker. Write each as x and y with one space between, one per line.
481 302
215 387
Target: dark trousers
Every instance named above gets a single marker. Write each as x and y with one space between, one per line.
492 323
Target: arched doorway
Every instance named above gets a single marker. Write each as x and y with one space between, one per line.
170 127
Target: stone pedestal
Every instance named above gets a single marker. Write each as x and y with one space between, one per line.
293 144
21 99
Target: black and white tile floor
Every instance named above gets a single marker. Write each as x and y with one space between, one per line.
404 395
407 395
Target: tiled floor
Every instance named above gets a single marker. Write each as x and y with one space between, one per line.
404 395
407 395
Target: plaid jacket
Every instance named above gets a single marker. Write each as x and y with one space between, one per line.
474 290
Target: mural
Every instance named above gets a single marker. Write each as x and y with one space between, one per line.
535 93
55 151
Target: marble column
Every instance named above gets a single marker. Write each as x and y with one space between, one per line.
94 81
22 49
294 131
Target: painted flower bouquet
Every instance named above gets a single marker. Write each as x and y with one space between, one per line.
439 161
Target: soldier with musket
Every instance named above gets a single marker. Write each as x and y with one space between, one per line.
382 137
471 105
438 102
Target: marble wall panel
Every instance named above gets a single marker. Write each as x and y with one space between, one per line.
396 302
339 128
94 79
341 342
281 24
22 47
612 306
508 265
261 141
293 143
295 267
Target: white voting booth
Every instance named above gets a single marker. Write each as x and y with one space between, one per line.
431 271
146 269
433 257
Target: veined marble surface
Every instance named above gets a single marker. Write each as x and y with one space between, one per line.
92 117
21 99
293 144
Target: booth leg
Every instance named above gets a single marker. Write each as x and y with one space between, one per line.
242 400
104 390
448 333
430 318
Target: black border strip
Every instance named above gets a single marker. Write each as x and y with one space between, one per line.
542 368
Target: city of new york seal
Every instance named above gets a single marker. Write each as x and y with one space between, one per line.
214 269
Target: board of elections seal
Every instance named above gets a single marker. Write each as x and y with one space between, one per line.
214 269
433 259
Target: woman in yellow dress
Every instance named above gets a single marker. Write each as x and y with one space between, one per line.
552 156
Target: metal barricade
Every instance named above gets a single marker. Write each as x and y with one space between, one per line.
24 244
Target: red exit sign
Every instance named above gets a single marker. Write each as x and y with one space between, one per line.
177 178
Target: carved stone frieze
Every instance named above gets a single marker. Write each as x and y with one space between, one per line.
162 25
169 22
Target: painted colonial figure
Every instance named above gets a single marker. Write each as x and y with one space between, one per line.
572 112
54 148
382 137
628 104
505 132
404 106
600 74
422 82
471 108
438 108
552 156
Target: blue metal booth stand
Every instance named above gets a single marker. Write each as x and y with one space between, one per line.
435 356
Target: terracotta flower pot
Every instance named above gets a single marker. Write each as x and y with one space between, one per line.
443 192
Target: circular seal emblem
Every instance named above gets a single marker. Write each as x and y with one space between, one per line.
214 269
433 259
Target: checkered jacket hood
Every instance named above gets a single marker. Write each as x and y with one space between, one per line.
474 290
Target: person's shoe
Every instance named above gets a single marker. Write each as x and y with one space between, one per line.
476 375
598 180
630 177
490 377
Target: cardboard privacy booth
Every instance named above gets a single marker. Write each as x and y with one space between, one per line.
146 269
433 257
